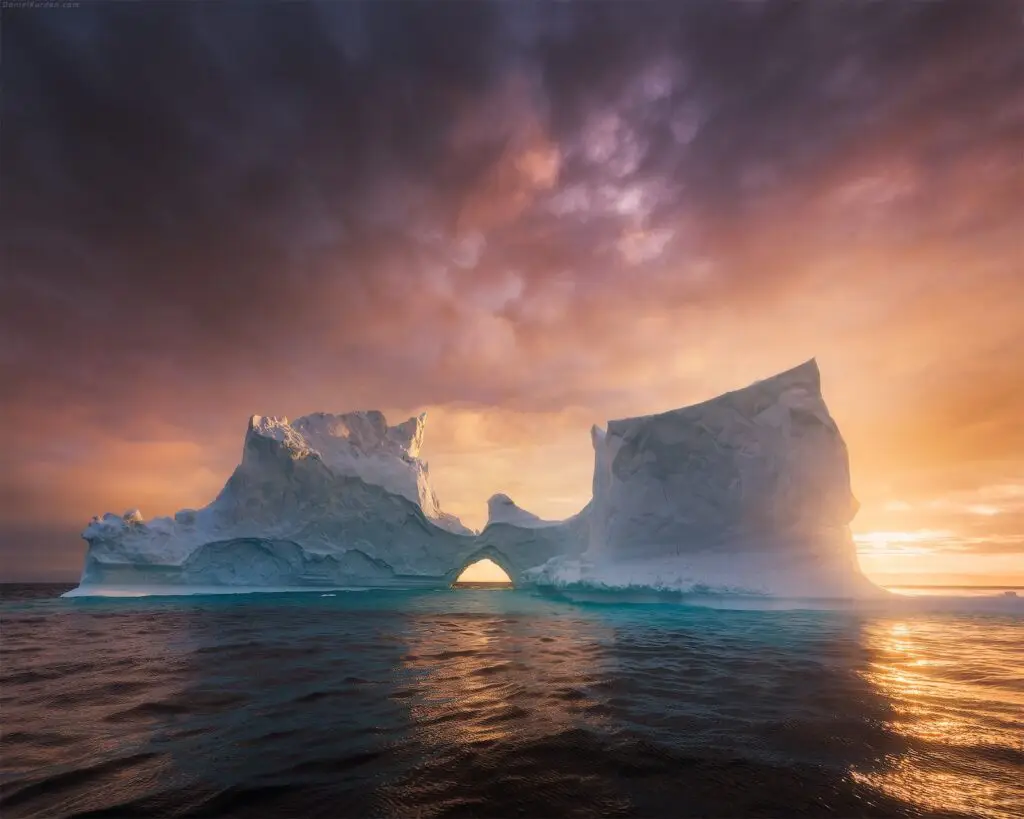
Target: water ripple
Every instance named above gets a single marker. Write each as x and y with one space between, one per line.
499 703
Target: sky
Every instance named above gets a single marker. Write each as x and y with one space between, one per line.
523 218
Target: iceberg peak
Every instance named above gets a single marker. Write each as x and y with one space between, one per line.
353 444
352 433
502 509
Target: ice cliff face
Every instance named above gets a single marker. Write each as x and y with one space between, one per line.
359 445
747 492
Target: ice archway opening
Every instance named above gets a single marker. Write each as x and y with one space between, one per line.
483 568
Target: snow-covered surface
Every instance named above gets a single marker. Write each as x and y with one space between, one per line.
746 493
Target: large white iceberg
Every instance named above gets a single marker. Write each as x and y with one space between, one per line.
748 492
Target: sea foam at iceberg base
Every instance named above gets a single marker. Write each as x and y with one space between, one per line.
748 493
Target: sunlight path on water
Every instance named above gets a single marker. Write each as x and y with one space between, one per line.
960 700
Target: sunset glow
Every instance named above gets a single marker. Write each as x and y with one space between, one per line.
562 215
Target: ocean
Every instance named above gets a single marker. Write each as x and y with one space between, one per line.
482 702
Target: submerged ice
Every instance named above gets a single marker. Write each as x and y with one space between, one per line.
748 492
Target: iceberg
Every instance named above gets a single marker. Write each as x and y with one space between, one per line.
746 493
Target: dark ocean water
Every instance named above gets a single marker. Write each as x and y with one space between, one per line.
503 703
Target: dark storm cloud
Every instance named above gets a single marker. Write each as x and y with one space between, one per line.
184 182
173 173
209 208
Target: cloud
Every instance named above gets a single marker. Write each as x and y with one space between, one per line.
508 129
218 210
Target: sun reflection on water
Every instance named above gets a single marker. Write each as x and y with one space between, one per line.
957 697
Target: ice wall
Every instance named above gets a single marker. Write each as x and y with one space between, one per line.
749 491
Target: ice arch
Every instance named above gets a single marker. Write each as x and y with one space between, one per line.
487 553
484 571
